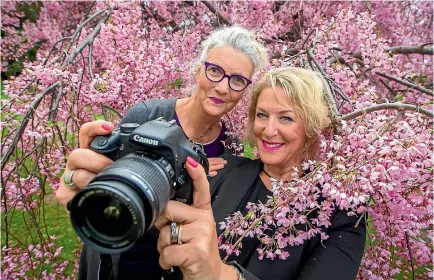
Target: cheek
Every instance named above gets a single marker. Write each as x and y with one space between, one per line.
235 97
203 83
258 127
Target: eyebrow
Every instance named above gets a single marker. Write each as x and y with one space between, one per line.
280 112
232 74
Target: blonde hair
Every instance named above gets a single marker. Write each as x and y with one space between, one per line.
238 38
306 90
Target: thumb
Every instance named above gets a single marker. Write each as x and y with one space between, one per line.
201 193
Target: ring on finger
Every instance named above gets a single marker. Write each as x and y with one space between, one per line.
175 233
67 179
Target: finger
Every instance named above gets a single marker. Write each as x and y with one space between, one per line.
212 173
216 167
201 194
90 130
217 160
82 177
63 193
179 212
188 232
88 160
175 255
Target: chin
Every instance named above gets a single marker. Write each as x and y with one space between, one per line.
214 110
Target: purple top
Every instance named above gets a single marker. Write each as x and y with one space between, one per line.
214 148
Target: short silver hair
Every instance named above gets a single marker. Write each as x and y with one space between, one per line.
238 38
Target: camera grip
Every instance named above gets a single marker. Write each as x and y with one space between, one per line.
107 145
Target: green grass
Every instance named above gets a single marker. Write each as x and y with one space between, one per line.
52 219
248 151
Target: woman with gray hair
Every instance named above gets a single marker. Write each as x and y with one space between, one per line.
224 70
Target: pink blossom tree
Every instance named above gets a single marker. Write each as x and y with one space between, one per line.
98 58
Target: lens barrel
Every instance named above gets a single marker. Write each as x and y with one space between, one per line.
122 202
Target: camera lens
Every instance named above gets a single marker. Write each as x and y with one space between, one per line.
109 217
121 203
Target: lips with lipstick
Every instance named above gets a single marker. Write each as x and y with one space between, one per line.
217 100
271 146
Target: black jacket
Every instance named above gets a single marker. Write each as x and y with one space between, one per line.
336 258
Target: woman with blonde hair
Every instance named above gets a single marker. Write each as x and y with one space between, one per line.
287 114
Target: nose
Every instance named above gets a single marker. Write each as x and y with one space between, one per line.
270 128
223 86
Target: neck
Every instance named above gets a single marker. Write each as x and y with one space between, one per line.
197 122
285 173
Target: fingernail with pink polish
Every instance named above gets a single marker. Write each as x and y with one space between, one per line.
192 162
107 126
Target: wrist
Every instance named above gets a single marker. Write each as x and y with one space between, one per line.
228 272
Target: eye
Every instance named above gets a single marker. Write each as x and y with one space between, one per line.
214 70
238 80
260 115
287 119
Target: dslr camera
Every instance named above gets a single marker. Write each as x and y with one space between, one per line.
123 201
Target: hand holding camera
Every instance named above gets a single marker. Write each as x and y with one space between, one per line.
83 164
124 200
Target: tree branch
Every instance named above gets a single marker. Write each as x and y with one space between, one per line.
411 85
411 49
80 27
26 119
409 253
216 13
330 93
387 106
288 52
88 40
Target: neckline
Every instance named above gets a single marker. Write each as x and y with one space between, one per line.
221 123
274 178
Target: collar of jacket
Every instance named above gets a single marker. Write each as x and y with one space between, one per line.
228 191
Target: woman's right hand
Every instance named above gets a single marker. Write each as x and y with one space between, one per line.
84 161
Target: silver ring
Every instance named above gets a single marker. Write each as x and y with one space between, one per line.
67 179
175 233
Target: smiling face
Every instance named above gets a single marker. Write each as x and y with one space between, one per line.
217 98
279 134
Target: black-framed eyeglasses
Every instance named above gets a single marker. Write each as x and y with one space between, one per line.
215 73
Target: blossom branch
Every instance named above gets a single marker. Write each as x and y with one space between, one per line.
387 106
411 49
90 61
387 126
330 93
406 83
89 40
26 119
410 255
53 48
256 222
80 27
219 16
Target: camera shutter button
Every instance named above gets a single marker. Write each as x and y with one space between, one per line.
182 180
102 142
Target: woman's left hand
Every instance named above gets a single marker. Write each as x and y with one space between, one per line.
198 255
